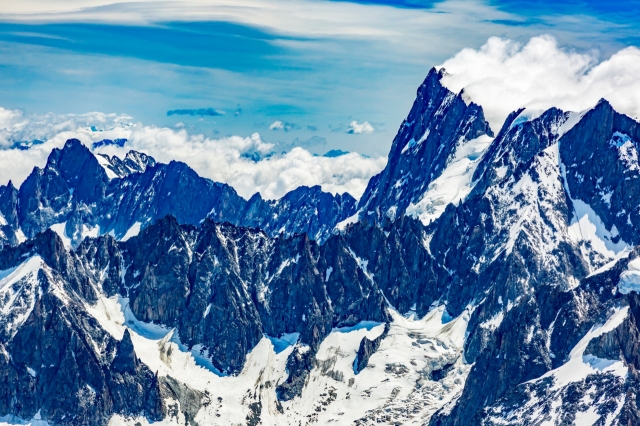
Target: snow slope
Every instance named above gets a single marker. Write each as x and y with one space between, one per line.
396 386
454 184
18 287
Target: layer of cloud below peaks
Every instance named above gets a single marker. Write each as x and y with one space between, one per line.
222 160
504 75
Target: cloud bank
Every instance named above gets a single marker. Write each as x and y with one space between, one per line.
16 127
504 75
226 159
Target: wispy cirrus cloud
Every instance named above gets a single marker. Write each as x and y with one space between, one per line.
299 61
201 112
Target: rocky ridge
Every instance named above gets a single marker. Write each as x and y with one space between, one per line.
79 194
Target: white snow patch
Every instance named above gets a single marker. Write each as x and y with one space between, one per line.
501 171
399 367
580 366
362 264
284 264
91 232
20 236
627 152
328 273
106 164
18 288
573 119
413 143
528 114
587 418
586 225
132 232
454 184
630 279
59 228
494 322
623 254
341 226
159 348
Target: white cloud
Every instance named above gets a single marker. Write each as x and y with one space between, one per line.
286 126
276 125
504 75
404 29
360 128
16 127
222 160
304 17
53 130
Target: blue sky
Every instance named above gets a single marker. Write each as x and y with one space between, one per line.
315 66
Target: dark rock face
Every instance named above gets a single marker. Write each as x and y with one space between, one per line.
9 213
516 145
588 307
601 161
399 258
494 251
299 364
84 191
367 348
622 343
517 209
61 363
223 287
439 121
219 285
189 401
523 156
304 205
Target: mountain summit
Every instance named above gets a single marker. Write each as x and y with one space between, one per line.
439 125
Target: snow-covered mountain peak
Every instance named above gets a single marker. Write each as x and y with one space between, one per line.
438 123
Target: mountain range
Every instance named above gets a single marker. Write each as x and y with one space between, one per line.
484 278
